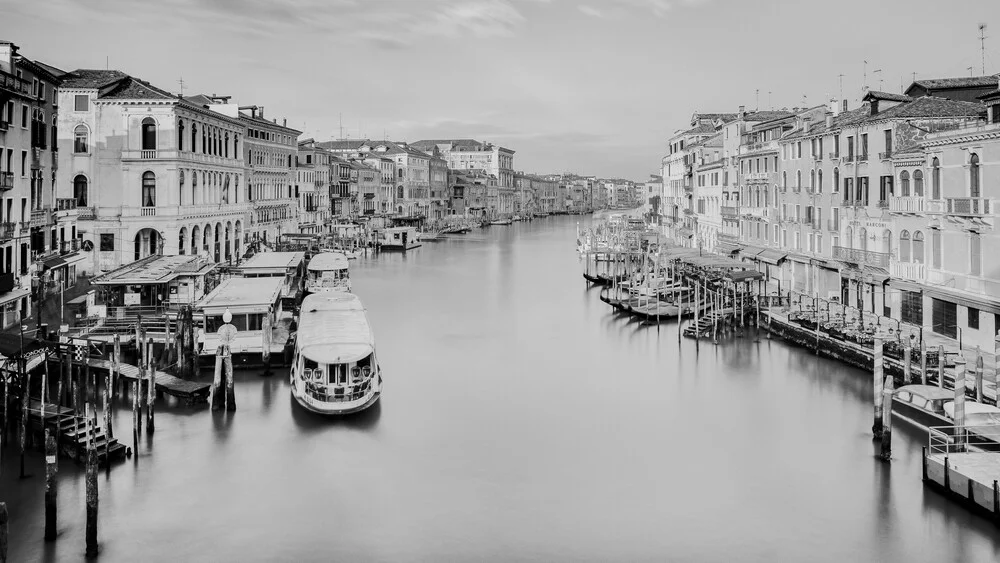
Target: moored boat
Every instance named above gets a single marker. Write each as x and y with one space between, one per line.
922 404
334 368
328 271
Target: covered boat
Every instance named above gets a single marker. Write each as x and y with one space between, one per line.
328 271
334 369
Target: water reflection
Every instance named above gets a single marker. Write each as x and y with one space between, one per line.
310 422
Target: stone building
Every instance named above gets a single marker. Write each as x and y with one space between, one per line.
270 153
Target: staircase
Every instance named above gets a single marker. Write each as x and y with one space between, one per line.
74 437
705 323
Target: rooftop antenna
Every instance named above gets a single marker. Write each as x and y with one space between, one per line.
982 44
757 106
970 69
879 71
769 105
841 77
180 81
864 82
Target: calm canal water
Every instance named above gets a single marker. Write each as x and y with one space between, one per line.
521 420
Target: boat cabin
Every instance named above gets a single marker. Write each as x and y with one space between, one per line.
254 303
153 284
399 238
925 397
288 266
328 271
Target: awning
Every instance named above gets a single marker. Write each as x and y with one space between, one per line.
905 285
750 250
962 298
73 258
743 275
727 248
13 295
686 233
53 262
773 257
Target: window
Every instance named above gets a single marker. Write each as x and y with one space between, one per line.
81 102
148 189
194 137
974 175
180 135
936 248
918 247
973 318
819 243
904 246
148 134
918 183
836 180
798 179
888 142
975 255
80 139
784 180
944 317
864 146
819 175
912 307
24 116
904 183
80 190
107 242
935 179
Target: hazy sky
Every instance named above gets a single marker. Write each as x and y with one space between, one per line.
592 86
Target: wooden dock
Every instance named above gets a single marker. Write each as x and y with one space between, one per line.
73 433
188 391
971 477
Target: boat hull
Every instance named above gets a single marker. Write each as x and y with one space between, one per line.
918 416
337 409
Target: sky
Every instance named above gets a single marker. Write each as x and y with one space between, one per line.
588 86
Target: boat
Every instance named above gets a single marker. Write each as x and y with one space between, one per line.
347 252
326 272
424 236
334 368
399 238
255 305
501 222
288 266
922 404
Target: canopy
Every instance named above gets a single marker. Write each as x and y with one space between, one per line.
334 329
714 261
327 261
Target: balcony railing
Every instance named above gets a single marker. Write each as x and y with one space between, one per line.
973 206
66 204
863 257
908 204
818 156
885 155
147 154
6 180
883 204
728 211
835 156
757 176
912 271
863 157
67 246
847 158
86 213
7 231
147 212
14 84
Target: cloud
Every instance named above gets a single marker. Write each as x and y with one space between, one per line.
482 18
591 11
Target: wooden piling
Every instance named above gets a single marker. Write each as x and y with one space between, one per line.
941 366
51 492
216 400
907 357
960 393
4 531
923 362
697 301
979 377
116 361
136 420
230 383
26 379
150 390
92 500
887 419
877 380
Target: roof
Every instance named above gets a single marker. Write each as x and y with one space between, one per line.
959 82
990 95
931 106
766 115
131 88
334 329
328 261
243 292
469 143
273 260
930 392
877 95
350 144
714 116
91 78
155 270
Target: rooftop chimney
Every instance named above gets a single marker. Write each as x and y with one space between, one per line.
829 121
743 112
845 106
284 122
805 124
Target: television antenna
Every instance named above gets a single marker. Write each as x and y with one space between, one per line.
982 45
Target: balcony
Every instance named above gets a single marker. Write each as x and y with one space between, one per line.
818 157
908 204
6 180
67 246
968 206
887 155
7 231
912 271
835 156
729 211
86 213
759 212
66 204
861 257
149 211
847 158
186 156
883 204
863 157
15 85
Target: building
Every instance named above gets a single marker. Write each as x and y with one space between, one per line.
313 173
369 181
962 88
34 224
386 167
343 188
159 174
469 154
270 152
438 187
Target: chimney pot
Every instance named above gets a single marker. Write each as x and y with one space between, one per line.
844 105
829 121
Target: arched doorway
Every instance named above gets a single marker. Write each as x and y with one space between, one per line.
218 242
195 237
182 241
238 238
206 240
229 241
147 243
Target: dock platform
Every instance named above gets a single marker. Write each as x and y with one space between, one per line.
188 391
971 477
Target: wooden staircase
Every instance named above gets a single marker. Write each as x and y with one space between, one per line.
74 435
705 322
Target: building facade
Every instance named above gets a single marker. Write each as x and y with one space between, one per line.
270 152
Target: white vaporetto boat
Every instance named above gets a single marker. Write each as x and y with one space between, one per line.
328 272
334 370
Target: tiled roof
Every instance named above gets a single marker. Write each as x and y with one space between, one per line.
701 128
960 82
349 144
930 106
135 89
88 78
767 115
876 95
199 100
714 116
428 143
990 95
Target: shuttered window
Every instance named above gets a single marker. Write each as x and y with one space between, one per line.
936 248
975 255
973 320
912 307
944 318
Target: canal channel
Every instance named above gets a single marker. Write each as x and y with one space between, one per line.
521 420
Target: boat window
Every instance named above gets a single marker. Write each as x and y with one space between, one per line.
903 396
212 323
309 364
240 322
255 321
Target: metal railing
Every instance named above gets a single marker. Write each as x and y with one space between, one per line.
863 157
883 204
7 230
6 180
945 440
968 206
847 158
859 256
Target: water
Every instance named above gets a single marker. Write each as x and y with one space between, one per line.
521 420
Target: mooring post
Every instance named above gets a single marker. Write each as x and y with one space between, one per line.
941 361
91 500
230 383
979 376
923 464
996 500
877 381
215 398
4 530
116 361
24 415
135 417
907 368
887 419
150 389
51 492
923 362
960 399
697 305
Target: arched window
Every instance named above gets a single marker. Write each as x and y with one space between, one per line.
935 178
812 179
974 175
236 146
148 189
148 134
226 151
918 183
80 190
904 183
918 247
887 242
798 179
180 134
399 193
180 191
194 137
181 241
195 238
904 246
81 139
194 188
819 175
204 142
863 238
